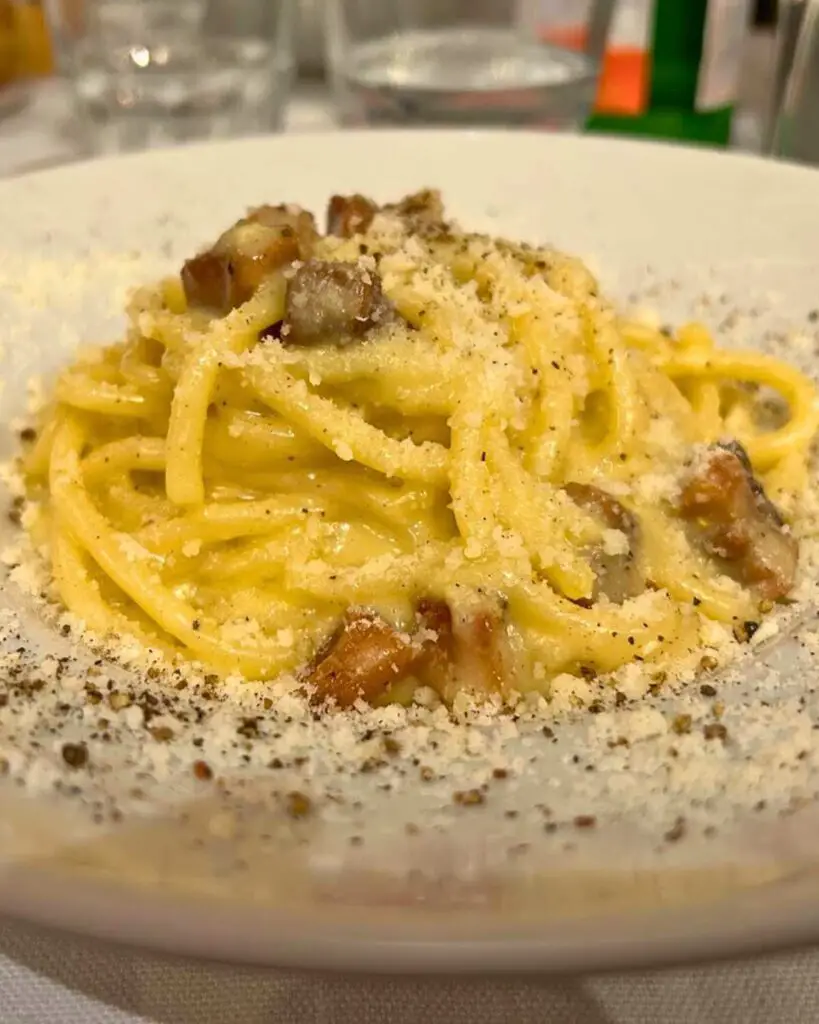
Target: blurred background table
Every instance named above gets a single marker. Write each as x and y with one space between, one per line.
42 133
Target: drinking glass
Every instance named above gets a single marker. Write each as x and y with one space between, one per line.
9 44
152 72
511 62
794 128
12 65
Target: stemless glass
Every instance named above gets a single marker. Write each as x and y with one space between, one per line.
514 62
12 88
794 128
9 44
152 72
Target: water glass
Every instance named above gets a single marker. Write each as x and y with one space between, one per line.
153 72
509 62
794 130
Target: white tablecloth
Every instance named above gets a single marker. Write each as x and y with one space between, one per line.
51 979
47 978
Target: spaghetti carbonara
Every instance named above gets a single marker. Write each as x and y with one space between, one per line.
402 455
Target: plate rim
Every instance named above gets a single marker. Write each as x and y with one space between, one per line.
189 150
778 917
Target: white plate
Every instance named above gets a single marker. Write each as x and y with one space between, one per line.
223 872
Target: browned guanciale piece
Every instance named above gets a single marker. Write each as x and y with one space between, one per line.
287 217
482 649
364 658
435 665
603 505
462 650
332 302
208 282
736 522
424 208
447 652
349 215
618 575
228 274
421 211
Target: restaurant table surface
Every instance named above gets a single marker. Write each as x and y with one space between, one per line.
46 978
51 978
41 134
